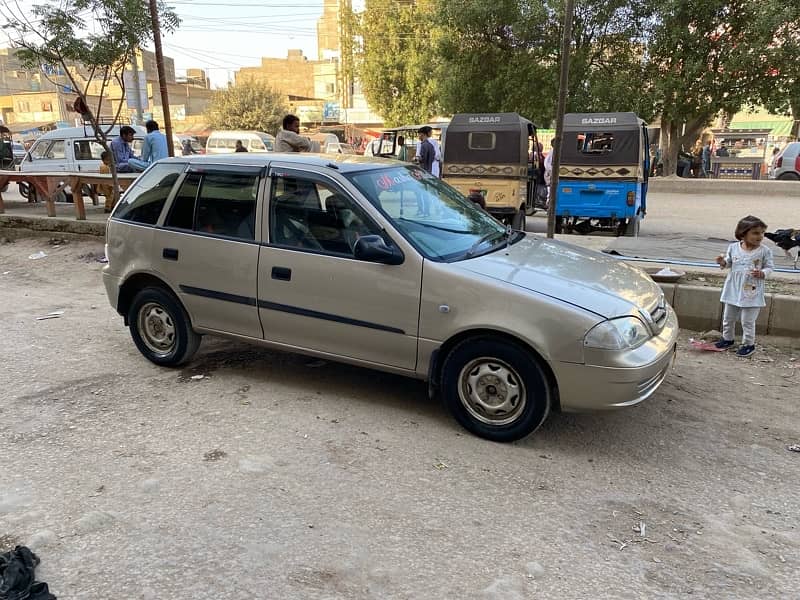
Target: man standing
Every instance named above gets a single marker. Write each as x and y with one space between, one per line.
426 154
289 138
121 147
437 151
154 148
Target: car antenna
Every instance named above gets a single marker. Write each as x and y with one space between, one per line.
332 166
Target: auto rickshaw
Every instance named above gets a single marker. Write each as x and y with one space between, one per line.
489 154
603 175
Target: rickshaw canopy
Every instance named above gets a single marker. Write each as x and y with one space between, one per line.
496 138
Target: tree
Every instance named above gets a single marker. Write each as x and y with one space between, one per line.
781 92
505 55
703 59
247 105
396 60
61 35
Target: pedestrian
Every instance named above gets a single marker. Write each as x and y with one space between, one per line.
186 147
402 151
121 147
436 168
240 147
153 149
548 163
705 160
289 138
697 159
426 153
722 151
743 293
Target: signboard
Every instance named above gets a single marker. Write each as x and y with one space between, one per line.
330 111
177 112
131 90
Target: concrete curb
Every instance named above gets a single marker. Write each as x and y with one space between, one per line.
704 187
699 308
53 225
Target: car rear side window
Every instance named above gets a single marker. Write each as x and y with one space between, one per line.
217 203
146 198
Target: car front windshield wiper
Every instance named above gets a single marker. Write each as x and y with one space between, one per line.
486 238
432 226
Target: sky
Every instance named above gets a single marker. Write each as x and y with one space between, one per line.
223 36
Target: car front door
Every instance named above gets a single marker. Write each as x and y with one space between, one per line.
314 294
47 156
207 247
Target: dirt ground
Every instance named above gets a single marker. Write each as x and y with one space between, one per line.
278 476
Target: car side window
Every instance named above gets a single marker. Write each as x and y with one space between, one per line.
145 199
39 151
217 203
87 150
56 150
226 204
310 215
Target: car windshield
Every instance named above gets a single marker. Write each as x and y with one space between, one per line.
435 218
268 141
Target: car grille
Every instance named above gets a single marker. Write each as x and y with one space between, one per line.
658 315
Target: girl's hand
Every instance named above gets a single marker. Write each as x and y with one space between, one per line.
757 273
721 261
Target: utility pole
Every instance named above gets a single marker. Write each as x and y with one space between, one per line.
162 77
566 44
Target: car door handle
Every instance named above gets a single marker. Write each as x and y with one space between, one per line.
170 253
282 273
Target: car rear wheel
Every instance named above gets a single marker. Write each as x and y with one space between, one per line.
789 177
161 329
495 389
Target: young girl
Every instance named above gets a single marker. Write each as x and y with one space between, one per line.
743 292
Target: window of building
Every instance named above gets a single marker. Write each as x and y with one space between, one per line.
47 107
23 106
330 88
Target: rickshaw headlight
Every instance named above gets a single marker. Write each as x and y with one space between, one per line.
622 333
631 198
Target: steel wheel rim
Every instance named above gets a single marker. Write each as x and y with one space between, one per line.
492 391
157 329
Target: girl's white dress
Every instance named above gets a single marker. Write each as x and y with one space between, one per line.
741 288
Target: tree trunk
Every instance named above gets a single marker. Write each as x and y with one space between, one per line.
670 144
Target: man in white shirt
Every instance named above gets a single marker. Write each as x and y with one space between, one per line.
548 164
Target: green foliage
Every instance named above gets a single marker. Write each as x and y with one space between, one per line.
396 62
505 56
247 105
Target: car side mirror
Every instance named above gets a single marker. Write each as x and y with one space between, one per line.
373 248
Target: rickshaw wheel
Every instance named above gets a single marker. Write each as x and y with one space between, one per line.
518 221
559 224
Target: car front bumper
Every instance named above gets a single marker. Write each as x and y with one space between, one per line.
590 387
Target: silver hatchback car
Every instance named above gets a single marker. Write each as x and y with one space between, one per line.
377 263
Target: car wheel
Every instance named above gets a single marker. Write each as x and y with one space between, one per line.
518 220
495 389
161 329
789 177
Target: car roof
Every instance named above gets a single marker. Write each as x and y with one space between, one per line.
345 163
82 132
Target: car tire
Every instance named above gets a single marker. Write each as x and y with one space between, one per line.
495 389
518 221
789 177
161 329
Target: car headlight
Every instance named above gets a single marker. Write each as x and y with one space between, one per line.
617 334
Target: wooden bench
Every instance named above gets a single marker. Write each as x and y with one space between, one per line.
48 185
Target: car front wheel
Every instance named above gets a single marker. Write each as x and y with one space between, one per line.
161 329
495 389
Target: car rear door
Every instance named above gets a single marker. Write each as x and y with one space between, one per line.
208 250
314 294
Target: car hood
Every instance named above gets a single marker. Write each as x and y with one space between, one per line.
591 280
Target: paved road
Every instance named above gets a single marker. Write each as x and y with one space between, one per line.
275 476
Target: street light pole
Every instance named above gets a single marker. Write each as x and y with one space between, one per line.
162 78
566 44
